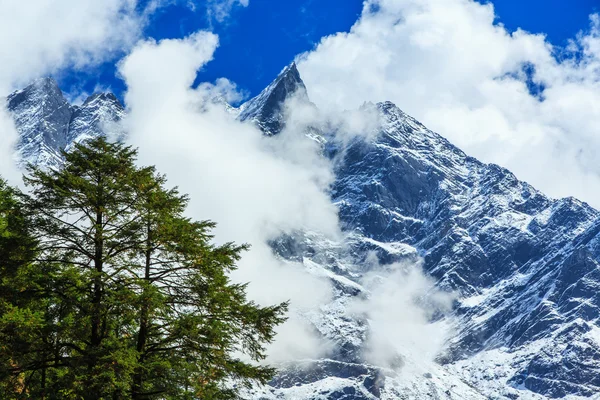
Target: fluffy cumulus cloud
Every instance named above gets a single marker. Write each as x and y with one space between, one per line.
506 97
254 187
40 37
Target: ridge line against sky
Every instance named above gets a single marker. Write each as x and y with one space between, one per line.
529 102
263 36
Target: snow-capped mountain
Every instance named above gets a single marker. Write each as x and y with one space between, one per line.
267 109
48 123
524 267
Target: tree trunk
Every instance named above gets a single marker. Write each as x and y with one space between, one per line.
138 379
96 336
43 383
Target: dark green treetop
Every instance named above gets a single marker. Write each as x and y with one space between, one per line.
136 302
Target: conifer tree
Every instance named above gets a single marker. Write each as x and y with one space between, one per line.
23 340
192 318
85 219
140 304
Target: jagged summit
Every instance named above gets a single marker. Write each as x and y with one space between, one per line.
102 97
266 109
42 116
525 268
41 87
99 114
48 123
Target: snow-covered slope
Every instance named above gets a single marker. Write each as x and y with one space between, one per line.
524 267
47 123
100 113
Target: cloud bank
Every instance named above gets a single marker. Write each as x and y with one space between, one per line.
40 37
254 187
509 98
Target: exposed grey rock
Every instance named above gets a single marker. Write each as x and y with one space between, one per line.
47 123
267 109
525 267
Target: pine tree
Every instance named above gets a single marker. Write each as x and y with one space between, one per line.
85 218
139 302
22 300
192 318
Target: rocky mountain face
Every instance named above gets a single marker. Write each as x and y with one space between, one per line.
48 123
267 109
523 268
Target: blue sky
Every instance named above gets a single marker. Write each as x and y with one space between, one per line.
259 40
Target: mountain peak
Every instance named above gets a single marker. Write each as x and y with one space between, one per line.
46 83
102 98
39 89
266 109
99 115
100 95
47 123
290 74
42 115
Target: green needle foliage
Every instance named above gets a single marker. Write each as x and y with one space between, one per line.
121 296
22 306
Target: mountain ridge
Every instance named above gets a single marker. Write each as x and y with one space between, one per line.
525 267
47 123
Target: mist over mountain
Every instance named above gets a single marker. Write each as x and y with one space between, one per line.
453 279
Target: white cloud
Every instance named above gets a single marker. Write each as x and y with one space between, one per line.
219 10
40 37
254 187
399 308
446 63
223 89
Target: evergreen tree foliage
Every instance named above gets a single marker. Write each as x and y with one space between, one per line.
84 215
21 302
121 296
